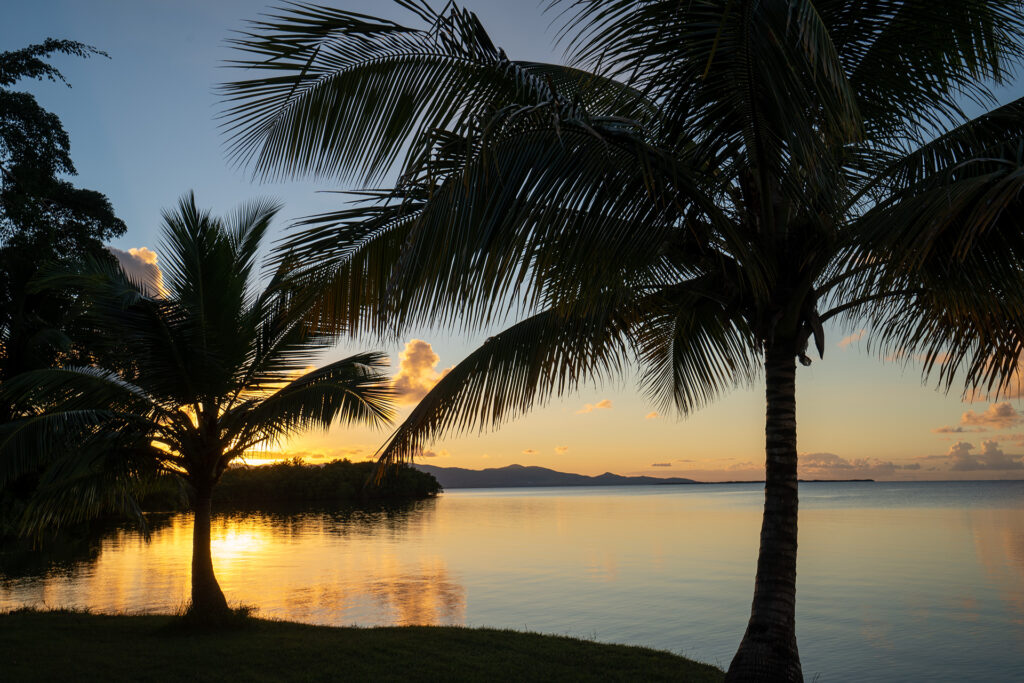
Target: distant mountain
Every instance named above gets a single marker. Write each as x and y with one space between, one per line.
518 475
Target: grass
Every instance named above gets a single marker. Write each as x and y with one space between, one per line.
58 645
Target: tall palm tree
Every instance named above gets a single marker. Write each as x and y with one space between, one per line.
705 187
215 367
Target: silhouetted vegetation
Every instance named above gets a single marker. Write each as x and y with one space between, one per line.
340 481
217 365
104 648
701 189
45 221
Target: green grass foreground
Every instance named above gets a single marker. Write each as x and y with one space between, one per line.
60 645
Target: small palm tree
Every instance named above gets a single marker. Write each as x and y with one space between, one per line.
702 190
213 367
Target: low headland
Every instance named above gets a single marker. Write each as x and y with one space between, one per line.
40 646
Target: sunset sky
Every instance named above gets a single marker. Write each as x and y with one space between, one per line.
143 131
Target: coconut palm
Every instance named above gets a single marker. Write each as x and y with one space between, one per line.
705 187
215 367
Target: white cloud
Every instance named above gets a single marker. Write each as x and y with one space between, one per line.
417 373
140 264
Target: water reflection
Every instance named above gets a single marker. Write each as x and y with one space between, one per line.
317 565
896 581
999 544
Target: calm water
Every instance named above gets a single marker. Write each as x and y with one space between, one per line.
897 581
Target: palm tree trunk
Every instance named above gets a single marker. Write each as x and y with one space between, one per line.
768 651
207 598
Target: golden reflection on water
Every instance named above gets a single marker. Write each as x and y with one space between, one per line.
343 577
928 591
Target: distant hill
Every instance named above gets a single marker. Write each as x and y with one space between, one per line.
518 475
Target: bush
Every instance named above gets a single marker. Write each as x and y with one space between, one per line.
340 481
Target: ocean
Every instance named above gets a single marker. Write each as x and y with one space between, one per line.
896 580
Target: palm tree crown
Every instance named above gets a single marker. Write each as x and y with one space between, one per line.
214 367
725 179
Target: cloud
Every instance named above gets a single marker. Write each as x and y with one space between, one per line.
946 429
529 451
1016 437
830 465
661 464
561 449
417 373
603 404
140 264
849 339
653 415
991 457
427 453
996 416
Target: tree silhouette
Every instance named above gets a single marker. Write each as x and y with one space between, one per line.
217 367
43 217
706 187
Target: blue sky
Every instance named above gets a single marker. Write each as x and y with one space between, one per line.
144 131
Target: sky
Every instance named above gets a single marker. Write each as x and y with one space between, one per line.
144 131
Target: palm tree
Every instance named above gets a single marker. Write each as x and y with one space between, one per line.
215 367
704 188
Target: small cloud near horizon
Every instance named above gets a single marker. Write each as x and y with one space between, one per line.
851 338
661 464
959 429
561 449
991 457
427 453
530 451
603 404
832 466
653 415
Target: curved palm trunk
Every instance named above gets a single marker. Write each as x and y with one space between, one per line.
207 598
768 651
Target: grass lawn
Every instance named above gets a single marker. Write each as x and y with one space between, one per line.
63 645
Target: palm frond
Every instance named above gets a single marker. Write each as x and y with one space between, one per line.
545 355
342 94
352 390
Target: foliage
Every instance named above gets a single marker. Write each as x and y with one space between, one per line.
217 366
671 216
339 481
43 218
703 188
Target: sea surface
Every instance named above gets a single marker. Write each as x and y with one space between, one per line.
897 581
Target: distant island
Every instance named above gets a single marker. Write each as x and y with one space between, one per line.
519 475
514 476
